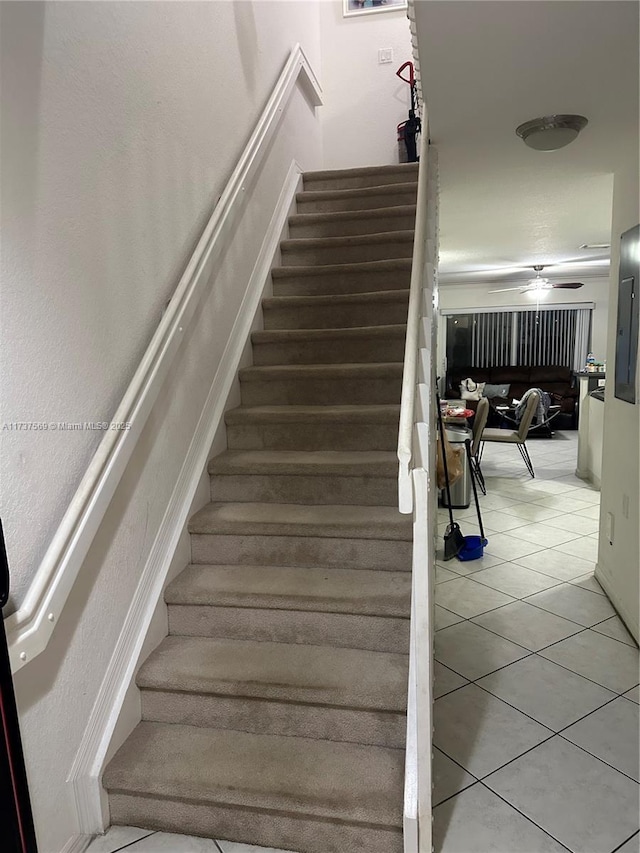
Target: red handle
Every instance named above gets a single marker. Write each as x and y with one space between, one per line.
411 79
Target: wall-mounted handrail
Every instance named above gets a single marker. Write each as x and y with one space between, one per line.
30 628
410 372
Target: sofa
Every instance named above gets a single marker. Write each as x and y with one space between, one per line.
556 380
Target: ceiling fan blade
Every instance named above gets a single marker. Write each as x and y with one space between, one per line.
507 289
569 285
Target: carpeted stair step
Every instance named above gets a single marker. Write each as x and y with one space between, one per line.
366 198
347 695
347 250
367 478
329 346
334 536
394 274
281 792
352 223
313 427
337 521
367 176
274 713
344 311
352 608
321 384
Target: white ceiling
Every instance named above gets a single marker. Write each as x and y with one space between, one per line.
486 67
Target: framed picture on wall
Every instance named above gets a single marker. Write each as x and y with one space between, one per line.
367 7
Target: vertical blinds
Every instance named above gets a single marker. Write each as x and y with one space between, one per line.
547 337
552 336
491 338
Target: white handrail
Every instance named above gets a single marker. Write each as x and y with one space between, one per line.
30 628
420 490
416 486
409 376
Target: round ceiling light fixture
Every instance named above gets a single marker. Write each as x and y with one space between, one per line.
551 132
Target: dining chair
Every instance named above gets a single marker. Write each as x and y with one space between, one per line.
517 437
479 423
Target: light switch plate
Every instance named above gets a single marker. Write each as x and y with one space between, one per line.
385 54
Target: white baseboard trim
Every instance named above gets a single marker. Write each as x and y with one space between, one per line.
77 844
627 615
85 774
588 476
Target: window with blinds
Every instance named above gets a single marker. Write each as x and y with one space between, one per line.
500 338
546 337
491 339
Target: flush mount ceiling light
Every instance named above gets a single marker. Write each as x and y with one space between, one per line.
551 132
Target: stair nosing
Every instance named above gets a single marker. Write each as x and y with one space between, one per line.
296 243
276 700
330 299
357 267
399 210
341 370
283 336
354 192
360 171
223 463
313 412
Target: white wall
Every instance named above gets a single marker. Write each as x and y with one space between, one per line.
461 296
594 441
123 123
590 436
618 566
364 101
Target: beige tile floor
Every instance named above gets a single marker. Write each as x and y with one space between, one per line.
536 681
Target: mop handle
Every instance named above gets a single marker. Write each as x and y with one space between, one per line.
444 460
467 444
411 78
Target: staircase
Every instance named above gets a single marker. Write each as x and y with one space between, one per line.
274 712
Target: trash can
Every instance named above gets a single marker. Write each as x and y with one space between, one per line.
461 489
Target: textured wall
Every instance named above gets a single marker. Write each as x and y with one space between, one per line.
123 124
620 488
364 101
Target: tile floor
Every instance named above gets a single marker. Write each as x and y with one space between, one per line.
142 841
536 678
536 681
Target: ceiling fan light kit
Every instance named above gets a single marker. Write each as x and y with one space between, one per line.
538 286
549 133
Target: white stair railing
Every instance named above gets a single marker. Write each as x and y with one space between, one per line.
416 494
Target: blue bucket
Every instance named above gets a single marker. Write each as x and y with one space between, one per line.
473 548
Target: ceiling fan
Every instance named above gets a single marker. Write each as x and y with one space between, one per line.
539 284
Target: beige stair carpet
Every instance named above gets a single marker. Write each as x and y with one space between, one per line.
274 713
